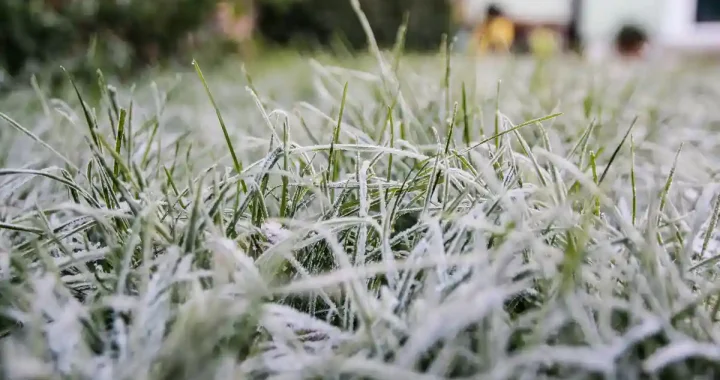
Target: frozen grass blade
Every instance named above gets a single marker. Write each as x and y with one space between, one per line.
632 180
669 180
89 119
236 162
709 232
333 170
466 118
285 181
24 130
400 42
118 141
617 150
593 166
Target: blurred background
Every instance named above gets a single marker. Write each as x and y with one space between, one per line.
124 36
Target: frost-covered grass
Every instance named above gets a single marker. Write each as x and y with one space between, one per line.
552 226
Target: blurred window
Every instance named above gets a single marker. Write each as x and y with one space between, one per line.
707 11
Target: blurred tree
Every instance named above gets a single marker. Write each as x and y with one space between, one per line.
124 35
31 32
34 32
154 28
317 21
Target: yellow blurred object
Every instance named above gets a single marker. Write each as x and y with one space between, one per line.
543 42
495 35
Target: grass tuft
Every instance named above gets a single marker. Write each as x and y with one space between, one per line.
350 219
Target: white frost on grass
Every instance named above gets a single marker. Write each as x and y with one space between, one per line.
517 262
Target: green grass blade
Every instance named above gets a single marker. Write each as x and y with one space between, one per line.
617 150
236 162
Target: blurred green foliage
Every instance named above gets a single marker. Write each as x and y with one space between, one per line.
120 36
82 35
30 31
323 21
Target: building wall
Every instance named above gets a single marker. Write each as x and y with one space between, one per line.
681 31
601 19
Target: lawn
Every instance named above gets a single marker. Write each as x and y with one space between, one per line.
428 217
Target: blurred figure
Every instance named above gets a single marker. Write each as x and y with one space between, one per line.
496 33
236 21
631 42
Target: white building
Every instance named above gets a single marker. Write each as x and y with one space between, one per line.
685 24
